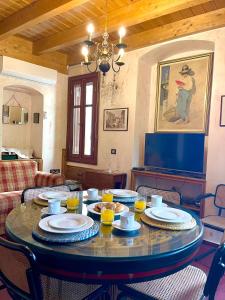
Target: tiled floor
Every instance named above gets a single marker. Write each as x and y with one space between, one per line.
203 264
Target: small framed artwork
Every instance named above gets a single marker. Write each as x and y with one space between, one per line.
36 117
222 111
115 119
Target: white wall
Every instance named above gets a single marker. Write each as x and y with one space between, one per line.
137 91
36 135
54 107
14 135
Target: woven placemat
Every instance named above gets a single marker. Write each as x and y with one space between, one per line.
124 199
45 203
169 226
60 238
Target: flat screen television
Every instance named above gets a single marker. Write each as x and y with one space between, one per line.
175 151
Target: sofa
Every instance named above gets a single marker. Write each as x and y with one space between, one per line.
15 176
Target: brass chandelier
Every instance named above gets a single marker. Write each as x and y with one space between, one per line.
104 54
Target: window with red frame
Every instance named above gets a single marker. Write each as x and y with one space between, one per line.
82 125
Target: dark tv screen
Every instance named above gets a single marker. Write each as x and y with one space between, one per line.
175 151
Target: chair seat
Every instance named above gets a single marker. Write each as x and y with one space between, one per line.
185 284
214 221
59 289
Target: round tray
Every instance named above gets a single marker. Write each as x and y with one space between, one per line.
169 226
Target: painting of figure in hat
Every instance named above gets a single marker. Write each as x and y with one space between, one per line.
183 94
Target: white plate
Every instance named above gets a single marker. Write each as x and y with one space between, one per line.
116 224
87 199
149 204
43 224
172 214
45 211
184 219
54 195
122 193
68 221
90 208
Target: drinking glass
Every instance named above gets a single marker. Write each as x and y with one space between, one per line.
140 204
107 197
107 216
72 202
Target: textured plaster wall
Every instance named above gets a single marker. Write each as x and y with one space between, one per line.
54 116
137 91
13 135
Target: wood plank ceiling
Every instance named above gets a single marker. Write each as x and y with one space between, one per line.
50 32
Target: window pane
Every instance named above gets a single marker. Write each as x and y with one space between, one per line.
89 93
76 130
88 131
77 94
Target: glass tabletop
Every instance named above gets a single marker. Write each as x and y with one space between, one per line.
109 243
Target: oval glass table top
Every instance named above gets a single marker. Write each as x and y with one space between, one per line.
109 243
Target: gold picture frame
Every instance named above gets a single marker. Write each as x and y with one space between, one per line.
183 94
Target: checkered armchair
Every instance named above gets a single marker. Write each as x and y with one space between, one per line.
15 176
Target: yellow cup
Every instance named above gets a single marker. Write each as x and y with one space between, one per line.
72 203
107 216
107 197
140 205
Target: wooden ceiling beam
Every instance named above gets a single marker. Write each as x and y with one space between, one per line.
35 13
196 24
129 15
20 48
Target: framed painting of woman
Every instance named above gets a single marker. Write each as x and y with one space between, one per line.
183 94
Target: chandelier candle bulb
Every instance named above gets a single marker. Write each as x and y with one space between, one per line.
90 30
122 32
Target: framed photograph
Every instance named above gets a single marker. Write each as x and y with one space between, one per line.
115 119
222 111
183 94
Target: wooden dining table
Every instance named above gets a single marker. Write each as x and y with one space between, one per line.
111 256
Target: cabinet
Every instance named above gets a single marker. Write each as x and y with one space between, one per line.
189 187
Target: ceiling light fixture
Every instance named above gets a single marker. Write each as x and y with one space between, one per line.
104 54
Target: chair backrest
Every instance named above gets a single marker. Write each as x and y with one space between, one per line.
32 193
168 195
17 175
216 272
19 271
219 199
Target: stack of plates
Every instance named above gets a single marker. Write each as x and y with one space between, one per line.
124 196
67 223
44 197
65 228
168 218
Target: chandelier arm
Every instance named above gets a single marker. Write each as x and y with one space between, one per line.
96 67
116 71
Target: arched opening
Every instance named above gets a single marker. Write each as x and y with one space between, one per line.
22 121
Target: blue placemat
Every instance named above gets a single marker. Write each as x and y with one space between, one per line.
124 199
41 235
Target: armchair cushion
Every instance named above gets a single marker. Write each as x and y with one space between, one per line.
17 175
48 179
8 201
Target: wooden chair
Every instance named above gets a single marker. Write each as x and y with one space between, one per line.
189 283
19 271
168 195
215 222
20 275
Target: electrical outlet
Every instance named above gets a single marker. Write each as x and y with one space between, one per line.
113 151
